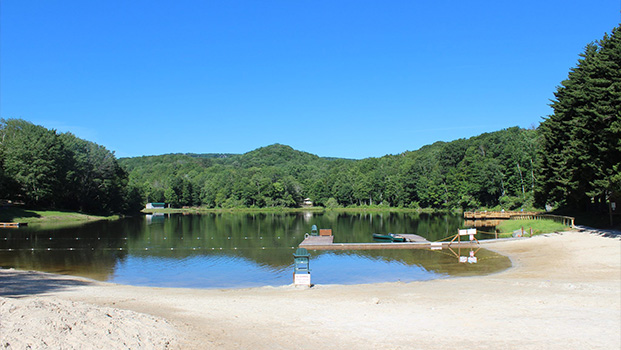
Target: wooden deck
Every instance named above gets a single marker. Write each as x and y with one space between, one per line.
317 240
482 223
414 238
12 224
415 242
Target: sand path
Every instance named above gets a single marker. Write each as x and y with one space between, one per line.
564 292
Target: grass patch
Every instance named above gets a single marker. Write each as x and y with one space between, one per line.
21 215
506 228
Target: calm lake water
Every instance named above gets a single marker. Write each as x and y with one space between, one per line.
238 250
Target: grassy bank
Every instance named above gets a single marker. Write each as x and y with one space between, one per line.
506 228
29 216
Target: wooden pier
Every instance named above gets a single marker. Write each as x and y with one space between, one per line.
414 238
12 224
413 242
482 223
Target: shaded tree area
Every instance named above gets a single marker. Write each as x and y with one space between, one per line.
580 153
494 169
45 169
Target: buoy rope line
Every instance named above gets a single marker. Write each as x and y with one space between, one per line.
139 249
122 238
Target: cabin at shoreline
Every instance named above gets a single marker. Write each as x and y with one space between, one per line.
155 206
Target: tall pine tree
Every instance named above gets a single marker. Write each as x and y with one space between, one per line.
580 154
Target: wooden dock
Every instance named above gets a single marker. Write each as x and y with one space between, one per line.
482 223
414 238
12 224
414 242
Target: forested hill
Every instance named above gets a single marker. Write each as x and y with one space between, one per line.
488 170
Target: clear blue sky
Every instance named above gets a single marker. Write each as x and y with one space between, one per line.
352 79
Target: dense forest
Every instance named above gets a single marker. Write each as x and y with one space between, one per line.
573 159
488 170
44 169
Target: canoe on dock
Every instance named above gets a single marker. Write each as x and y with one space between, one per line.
390 237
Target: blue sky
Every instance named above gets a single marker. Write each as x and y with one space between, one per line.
352 79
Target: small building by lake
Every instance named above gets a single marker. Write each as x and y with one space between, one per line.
155 206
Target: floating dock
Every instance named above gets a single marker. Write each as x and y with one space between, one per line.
413 242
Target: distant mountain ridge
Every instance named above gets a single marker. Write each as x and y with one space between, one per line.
276 148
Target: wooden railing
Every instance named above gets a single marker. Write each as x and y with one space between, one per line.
565 220
515 215
491 215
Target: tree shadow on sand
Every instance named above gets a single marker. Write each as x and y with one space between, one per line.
19 284
600 232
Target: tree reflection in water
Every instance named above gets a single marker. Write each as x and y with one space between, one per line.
229 250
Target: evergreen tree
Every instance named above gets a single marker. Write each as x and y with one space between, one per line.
580 153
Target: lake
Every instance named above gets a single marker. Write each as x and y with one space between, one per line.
234 250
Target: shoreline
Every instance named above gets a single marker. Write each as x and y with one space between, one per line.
284 210
558 284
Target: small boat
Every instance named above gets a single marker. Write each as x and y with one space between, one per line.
382 237
388 237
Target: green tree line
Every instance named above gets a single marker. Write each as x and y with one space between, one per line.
44 169
493 169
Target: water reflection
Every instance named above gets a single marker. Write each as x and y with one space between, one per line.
236 250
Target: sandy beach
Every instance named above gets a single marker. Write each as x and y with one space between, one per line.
563 292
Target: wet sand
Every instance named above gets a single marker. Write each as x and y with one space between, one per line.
563 292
